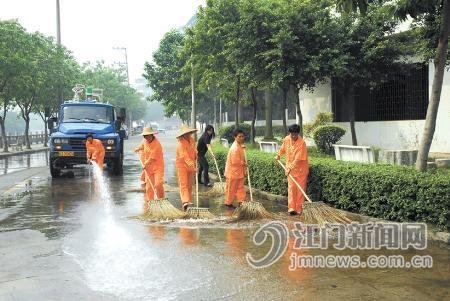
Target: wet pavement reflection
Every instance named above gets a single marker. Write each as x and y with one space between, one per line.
21 162
135 260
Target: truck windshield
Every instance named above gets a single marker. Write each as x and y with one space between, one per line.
95 114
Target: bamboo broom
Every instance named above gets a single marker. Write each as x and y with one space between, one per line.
318 212
250 210
197 212
159 208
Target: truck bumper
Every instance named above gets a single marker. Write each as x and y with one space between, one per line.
69 158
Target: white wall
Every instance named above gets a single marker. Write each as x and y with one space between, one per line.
403 134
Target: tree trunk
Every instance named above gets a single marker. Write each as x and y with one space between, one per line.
268 135
433 104
241 112
285 93
255 108
350 94
238 97
4 138
27 130
44 119
299 109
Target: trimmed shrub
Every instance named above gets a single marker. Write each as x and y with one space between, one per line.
327 135
226 132
390 192
322 118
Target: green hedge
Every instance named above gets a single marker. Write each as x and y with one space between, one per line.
383 191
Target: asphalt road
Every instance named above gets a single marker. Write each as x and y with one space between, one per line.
67 239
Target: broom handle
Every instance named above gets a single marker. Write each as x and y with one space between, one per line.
218 171
196 181
296 183
148 179
248 176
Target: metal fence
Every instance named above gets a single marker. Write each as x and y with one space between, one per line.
35 138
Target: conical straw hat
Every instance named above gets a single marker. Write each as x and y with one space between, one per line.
148 131
185 130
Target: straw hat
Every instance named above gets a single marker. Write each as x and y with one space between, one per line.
148 131
185 130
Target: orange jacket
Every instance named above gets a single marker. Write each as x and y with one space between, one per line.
152 155
235 167
296 155
95 149
186 154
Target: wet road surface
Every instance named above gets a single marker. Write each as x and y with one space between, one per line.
66 241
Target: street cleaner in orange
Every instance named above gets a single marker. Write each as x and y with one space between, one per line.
151 157
95 151
235 171
186 155
294 147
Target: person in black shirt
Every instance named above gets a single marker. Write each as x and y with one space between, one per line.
203 145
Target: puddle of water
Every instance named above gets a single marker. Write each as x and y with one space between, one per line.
21 162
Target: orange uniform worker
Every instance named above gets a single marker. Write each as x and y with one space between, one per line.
186 155
235 171
95 150
151 155
296 165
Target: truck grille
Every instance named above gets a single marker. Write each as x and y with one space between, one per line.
78 143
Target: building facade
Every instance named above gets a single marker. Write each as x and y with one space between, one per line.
389 116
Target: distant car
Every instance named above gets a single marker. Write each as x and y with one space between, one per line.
138 130
161 130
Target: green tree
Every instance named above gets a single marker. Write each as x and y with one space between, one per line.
33 79
115 88
13 45
370 53
166 78
61 72
419 9
209 44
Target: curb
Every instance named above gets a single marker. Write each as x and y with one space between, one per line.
24 152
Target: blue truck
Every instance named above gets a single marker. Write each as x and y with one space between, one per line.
67 142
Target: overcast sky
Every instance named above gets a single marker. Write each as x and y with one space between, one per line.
91 28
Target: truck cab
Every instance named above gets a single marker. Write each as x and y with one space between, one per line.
67 142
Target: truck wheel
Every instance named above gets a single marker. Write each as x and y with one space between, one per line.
55 172
118 166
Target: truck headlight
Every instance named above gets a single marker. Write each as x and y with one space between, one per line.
64 140
57 141
110 141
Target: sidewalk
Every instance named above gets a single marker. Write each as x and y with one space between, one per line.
35 148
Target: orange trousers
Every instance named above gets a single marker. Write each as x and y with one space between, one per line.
157 179
295 196
99 160
185 183
235 189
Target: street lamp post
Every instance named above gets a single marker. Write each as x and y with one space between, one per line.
124 49
58 41
58 23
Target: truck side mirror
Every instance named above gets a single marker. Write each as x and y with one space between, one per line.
51 123
123 113
118 124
